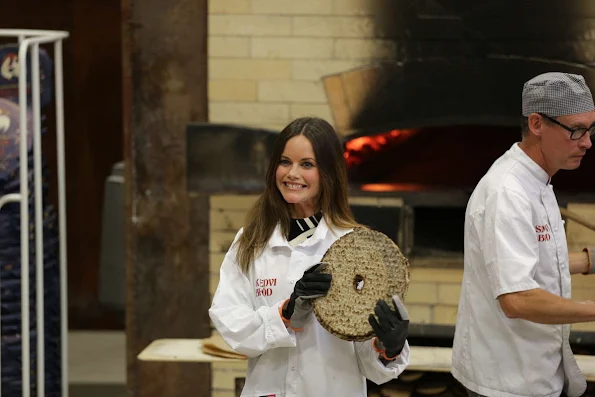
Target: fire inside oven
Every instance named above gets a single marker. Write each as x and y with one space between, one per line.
434 169
426 158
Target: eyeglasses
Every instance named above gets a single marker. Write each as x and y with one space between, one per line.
575 133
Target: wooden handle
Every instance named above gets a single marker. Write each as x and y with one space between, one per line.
577 218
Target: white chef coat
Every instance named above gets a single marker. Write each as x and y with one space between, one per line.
514 241
282 362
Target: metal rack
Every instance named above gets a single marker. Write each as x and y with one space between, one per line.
29 40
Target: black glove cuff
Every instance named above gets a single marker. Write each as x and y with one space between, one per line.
394 352
288 311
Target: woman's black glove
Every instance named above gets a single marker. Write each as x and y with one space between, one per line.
391 328
313 284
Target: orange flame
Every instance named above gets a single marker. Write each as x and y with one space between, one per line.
392 187
354 148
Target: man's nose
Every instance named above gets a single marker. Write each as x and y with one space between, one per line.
586 141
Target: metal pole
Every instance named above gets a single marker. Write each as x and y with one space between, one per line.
39 249
62 214
25 337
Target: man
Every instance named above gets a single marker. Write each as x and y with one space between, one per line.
512 330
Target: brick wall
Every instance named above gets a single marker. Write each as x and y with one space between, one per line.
267 57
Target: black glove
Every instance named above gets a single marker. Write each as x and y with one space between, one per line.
391 328
313 284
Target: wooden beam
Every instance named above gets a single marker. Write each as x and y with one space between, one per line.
164 88
423 358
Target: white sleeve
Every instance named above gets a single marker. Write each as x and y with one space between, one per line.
372 368
509 243
247 329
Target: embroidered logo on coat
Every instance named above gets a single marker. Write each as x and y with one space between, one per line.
543 232
264 286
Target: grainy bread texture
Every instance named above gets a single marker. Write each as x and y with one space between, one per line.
362 255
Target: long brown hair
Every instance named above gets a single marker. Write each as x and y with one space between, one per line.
271 209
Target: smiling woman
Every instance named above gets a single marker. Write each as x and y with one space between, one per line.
263 303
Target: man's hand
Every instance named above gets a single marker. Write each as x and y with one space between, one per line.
580 262
391 328
313 284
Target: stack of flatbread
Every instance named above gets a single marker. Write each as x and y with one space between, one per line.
216 346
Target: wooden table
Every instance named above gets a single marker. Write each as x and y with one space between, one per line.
423 358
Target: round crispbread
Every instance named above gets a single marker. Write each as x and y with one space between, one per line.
362 255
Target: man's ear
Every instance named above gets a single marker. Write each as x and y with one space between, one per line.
535 123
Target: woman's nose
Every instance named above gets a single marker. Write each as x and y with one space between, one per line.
293 171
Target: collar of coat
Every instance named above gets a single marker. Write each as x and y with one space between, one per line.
322 230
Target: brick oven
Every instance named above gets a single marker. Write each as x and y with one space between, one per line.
425 95
426 132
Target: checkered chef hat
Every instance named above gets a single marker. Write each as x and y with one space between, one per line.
557 94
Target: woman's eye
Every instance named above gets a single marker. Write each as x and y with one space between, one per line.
284 162
308 164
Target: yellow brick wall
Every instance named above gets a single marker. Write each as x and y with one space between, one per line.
267 57
223 377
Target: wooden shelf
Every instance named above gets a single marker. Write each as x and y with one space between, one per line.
423 358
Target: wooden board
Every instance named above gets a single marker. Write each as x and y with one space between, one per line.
180 350
347 92
423 358
579 236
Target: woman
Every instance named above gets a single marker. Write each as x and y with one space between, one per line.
262 307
